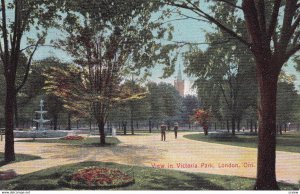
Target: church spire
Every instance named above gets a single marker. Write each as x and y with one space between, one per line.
179 76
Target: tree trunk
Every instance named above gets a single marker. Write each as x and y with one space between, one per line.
9 121
101 125
285 126
16 112
55 117
239 125
251 126
69 122
266 159
132 128
233 125
227 125
150 126
255 127
124 127
280 129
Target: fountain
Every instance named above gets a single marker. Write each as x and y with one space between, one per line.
41 120
41 132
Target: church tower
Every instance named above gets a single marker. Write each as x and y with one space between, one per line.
179 83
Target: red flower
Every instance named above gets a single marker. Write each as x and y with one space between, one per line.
73 137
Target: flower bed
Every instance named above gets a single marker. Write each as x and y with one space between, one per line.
74 137
96 178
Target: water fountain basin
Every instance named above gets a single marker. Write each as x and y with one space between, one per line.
40 134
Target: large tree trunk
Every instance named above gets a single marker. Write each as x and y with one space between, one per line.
9 121
16 111
266 159
101 125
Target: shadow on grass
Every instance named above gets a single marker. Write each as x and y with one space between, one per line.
89 142
146 178
288 142
19 158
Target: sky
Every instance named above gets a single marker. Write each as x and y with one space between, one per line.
184 30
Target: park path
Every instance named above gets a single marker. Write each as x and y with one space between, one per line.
147 150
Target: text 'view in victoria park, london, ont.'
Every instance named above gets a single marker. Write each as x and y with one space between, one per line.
149 95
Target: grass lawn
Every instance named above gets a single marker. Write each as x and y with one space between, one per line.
90 141
19 158
289 142
146 178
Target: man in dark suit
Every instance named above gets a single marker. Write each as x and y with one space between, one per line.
175 129
163 129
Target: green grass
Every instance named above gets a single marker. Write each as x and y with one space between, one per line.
19 158
146 178
90 141
289 142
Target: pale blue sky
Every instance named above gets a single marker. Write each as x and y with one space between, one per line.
186 30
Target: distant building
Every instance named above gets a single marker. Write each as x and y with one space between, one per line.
179 83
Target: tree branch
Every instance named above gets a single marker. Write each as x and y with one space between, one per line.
285 37
295 25
47 45
274 18
224 95
261 17
28 66
4 34
291 52
201 13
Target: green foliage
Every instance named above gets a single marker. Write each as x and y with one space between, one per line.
164 100
145 179
107 42
225 72
189 105
287 103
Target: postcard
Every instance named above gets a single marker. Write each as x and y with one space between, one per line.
149 95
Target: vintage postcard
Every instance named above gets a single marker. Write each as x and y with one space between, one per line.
149 95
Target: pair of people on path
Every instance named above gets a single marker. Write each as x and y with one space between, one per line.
163 129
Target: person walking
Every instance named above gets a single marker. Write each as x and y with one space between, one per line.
163 129
175 129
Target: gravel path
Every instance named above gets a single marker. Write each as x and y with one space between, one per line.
178 154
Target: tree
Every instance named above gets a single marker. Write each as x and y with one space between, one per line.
227 68
104 44
165 103
133 105
189 105
273 39
287 101
12 33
